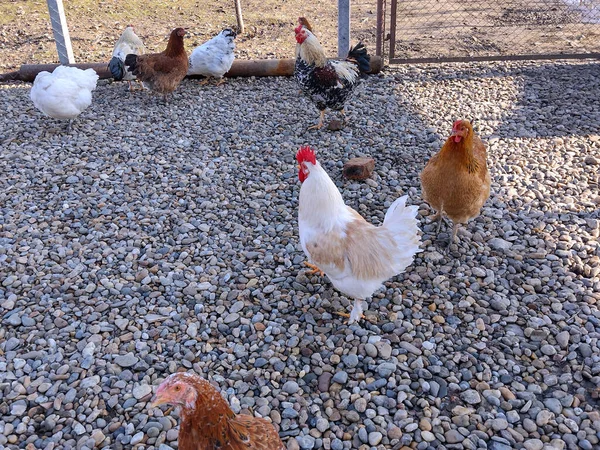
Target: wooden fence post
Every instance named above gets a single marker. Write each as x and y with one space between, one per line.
239 17
61 32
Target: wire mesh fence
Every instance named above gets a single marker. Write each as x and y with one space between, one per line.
452 30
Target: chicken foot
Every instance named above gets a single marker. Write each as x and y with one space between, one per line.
438 217
357 313
319 125
205 81
315 269
131 88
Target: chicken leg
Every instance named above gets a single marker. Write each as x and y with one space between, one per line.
454 237
357 313
314 270
205 81
319 125
439 217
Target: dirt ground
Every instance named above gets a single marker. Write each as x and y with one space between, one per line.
431 28
425 28
94 26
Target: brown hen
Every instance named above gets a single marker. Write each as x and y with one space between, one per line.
162 72
456 180
207 421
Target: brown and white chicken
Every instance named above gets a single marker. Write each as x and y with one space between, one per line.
207 421
456 180
356 256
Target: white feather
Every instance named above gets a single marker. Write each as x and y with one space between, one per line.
128 43
345 69
64 93
213 58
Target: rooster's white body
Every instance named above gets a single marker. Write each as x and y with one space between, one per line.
64 93
356 256
215 57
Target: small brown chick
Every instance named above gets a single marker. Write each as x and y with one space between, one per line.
207 421
456 180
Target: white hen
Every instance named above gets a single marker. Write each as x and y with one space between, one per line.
215 57
128 43
356 256
64 93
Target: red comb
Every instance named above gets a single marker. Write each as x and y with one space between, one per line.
306 154
456 124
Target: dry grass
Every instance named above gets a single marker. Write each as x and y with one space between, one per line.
95 25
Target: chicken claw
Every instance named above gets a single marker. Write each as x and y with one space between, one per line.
314 270
438 217
372 320
204 82
319 125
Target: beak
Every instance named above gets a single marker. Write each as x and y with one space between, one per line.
158 400
454 133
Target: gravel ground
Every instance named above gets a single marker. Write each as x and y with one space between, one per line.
154 238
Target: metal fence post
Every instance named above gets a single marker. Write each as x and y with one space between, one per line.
61 32
343 28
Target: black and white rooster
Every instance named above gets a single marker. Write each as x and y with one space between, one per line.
327 82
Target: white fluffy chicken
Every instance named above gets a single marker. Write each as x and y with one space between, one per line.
214 58
65 93
356 256
128 43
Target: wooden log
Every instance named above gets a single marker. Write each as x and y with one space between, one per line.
240 68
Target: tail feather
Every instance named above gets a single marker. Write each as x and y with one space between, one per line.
359 54
401 220
117 68
131 63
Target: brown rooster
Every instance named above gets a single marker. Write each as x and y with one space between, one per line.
456 180
207 421
162 72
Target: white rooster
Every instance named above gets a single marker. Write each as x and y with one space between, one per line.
128 43
356 256
65 93
215 57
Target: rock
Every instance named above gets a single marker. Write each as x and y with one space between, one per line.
127 360
543 417
375 438
335 125
359 168
340 377
290 387
142 390
548 350
591 161
563 338
471 397
499 244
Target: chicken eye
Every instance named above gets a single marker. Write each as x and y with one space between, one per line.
177 388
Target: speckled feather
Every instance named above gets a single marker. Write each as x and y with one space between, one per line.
210 424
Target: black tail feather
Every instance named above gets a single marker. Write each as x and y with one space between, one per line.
362 58
117 68
131 63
